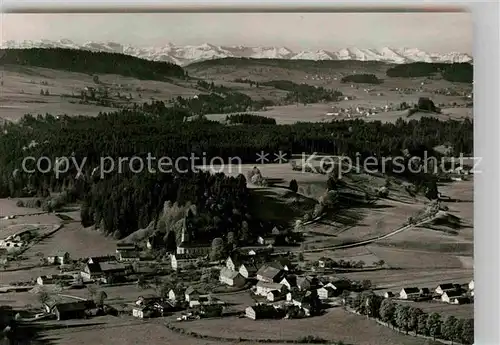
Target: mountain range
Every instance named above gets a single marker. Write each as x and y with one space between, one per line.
186 54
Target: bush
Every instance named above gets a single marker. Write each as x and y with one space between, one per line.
361 78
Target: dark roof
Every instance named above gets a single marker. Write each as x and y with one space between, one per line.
447 286
109 267
264 310
94 268
411 290
275 293
194 245
269 272
185 257
71 306
226 272
129 254
426 290
250 267
291 279
125 246
453 293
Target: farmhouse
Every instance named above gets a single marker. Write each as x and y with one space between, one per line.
59 258
444 288
52 279
248 270
179 261
409 293
120 247
305 283
269 274
194 249
263 288
142 311
92 272
289 281
471 287
191 293
388 294
340 285
205 300
326 292
447 296
232 263
274 295
262 311
459 300
70 310
175 295
128 256
231 278
100 259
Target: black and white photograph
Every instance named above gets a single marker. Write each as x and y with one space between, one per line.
227 178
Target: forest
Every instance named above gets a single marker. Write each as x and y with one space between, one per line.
455 72
84 61
362 79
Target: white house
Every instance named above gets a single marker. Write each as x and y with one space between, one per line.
175 295
471 285
231 278
409 293
263 288
248 270
191 293
179 261
59 258
274 295
448 296
289 281
326 292
442 288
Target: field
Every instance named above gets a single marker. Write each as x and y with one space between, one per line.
335 325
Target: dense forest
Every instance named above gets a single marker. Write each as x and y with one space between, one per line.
362 79
112 201
250 119
84 61
455 72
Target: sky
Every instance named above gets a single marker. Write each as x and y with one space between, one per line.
432 32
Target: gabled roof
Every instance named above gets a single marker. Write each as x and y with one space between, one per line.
106 266
269 272
71 306
447 286
328 288
94 268
291 279
411 290
227 273
194 245
272 286
125 246
250 267
304 282
452 293
275 293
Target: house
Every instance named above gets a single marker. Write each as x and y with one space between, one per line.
263 311
113 270
447 296
442 288
175 295
101 259
148 299
191 293
340 285
388 294
155 241
231 278
409 293
275 231
53 279
459 300
261 240
70 310
120 247
471 285
326 292
128 256
263 288
92 272
248 270
282 263
205 300
59 258
305 283
232 263
274 295
194 249
179 261
269 274
142 311
289 281
425 291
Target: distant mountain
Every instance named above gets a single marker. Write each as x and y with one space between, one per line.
184 55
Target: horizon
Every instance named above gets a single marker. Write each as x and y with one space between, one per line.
442 32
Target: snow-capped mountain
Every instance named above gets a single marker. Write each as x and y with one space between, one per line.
183 55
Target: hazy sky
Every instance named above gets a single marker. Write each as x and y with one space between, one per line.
436 32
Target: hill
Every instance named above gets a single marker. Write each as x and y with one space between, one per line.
91 62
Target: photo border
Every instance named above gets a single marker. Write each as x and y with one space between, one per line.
486 50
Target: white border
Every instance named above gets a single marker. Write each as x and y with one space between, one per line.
486 115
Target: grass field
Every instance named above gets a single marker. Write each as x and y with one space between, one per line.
335 325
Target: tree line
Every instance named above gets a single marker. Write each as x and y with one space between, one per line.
454 72
85 61
362 79
408 318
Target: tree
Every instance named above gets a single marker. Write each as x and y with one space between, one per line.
366 284
459 327
96 80
231 240
47 92
41 92
43 297
402 317
387 311
142 283
434 325
468 332
301 256
449 328
294 186
170 241
415 314
217 252
101 297
422 324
